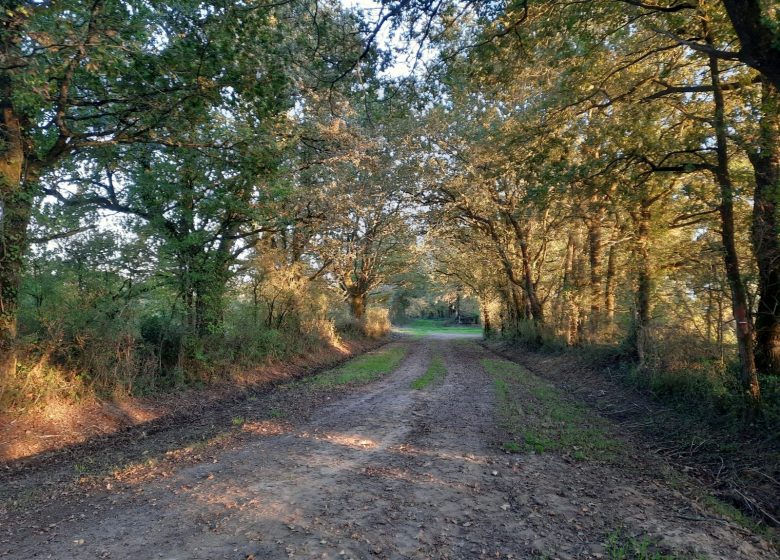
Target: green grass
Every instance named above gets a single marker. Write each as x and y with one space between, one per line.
728 511
511 447
619 546
363 369
540 419
425 327
435 372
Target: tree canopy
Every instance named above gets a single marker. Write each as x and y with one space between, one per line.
185 185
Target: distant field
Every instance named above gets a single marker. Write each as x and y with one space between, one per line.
423 327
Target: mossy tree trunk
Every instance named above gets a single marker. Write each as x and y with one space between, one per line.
15 208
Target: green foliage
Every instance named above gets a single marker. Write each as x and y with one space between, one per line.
182 220
570 191
363 369
543 419
226 204
435 373
89 331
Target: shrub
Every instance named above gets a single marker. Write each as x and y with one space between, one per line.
376 322
163 339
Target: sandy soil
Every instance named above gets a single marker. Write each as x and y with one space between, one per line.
382 471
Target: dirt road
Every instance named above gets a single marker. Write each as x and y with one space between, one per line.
383 471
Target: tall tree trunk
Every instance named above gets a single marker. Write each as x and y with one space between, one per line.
487 328
744 331
560 310
209 309
721 323
758 35
357 305
528 283
595 260
15 209
571 309
255 299
581 286
534 304
710 304
766 242
639 337
203 280
610 287
515 308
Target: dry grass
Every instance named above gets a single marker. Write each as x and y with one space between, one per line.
62 421
377 322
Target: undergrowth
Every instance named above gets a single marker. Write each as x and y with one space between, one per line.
702 420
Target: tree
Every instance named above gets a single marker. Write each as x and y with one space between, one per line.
76 77
365 244
765 159
608 139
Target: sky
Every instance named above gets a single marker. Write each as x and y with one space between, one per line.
404 61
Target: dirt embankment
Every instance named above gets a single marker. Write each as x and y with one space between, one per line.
60 425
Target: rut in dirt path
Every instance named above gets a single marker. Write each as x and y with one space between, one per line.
383 472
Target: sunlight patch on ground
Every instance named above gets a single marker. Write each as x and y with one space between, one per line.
266 428
349 440
413 451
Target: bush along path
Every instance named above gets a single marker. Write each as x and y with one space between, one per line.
484 460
